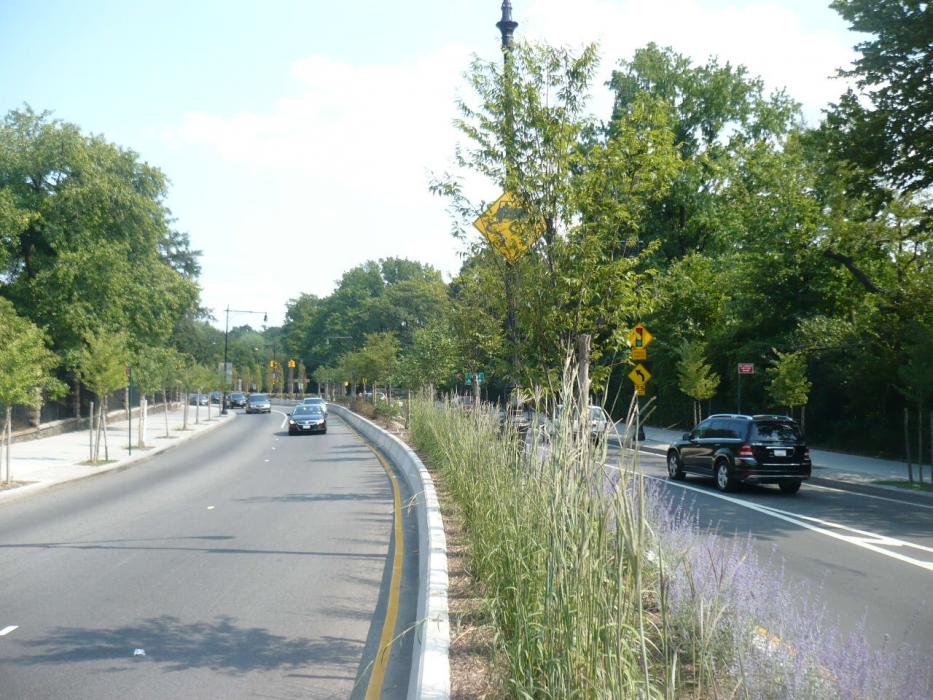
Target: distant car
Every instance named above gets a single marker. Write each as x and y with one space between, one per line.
236 399
600 424
196 399
307 419
258 403
761 449
217 396
315 401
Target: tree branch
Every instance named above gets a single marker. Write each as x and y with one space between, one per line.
857 273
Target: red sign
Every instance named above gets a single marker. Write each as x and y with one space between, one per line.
746 368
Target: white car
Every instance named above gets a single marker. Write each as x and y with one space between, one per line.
601 424
316 401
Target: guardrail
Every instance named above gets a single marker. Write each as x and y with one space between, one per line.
430 671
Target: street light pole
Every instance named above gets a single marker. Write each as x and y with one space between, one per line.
507 27
265 317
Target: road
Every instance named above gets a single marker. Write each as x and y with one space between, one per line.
871 556
245 563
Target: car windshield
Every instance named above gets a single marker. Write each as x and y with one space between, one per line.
236 395
307 411
258 398
596 413
780 432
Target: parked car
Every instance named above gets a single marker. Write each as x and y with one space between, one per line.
196 399
315 401
258 403
760 449
307 419
236 399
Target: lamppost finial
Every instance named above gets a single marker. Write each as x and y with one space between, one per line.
507 25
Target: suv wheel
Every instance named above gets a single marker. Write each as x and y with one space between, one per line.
723 481
674 468
789 486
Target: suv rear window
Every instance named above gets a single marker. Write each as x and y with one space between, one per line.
780 432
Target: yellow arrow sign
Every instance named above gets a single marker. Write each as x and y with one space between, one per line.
640 375
504 225
639 337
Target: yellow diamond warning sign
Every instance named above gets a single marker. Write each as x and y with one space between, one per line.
507 229
639 375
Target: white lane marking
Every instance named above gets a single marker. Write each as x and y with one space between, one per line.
266 460
284 418
869 541
139 652
210 507
273 449
869 495
6 630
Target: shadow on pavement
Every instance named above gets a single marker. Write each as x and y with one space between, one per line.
220 645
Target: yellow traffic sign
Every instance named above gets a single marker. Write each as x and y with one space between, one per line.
505 226
639 354
639 337
640 389
639 375
291 363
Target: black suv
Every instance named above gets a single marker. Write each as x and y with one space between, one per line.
734 448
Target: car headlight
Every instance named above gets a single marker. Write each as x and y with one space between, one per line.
291 422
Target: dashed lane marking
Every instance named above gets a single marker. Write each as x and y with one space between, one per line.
6 630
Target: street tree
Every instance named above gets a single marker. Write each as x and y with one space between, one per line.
695 376
788 384
26 369
101 366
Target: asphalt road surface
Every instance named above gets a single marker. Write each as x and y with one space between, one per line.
245 563
868 556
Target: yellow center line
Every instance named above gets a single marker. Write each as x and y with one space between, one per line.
384 650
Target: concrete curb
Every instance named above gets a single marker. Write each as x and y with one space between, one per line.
23 491
430 670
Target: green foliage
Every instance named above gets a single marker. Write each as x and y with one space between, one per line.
26 363
101 363
789 385
695 377
86 236
889 133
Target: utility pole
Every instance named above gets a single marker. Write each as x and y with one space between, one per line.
507 27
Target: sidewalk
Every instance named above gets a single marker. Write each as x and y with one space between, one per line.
827 466
39 464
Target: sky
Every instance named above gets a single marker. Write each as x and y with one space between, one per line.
300 136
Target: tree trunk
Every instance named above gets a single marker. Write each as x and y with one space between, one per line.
476 397
8 431
140 440
77 402
910 466
803 419
184 412
90 422
583 376
100 423
920 441
106 446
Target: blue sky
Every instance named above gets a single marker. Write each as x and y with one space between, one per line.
299 136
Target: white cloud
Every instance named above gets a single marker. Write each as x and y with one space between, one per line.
338 170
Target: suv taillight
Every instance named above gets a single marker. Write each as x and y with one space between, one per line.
806 453
746 451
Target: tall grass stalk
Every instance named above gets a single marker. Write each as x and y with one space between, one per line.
601 585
